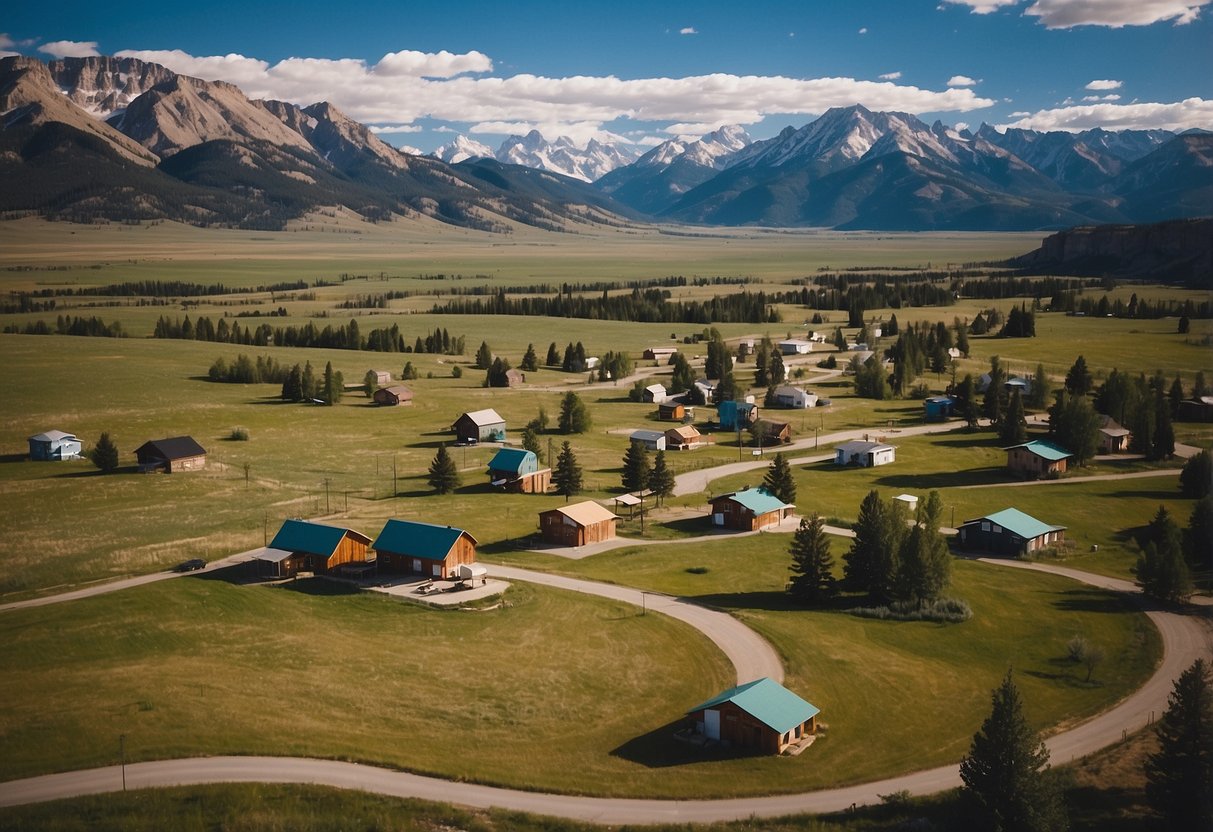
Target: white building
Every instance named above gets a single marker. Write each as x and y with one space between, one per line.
864 454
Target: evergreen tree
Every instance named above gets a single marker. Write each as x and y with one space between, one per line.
1199 537
779 480
105 454
812 565
924 562
962 338
991 405
307 383
778 372
1074 424
966 395
292 386
530 442
1006 774
1176 395
871 564
444 476
1184 325
1162 443
530 361
1078 379
370 383
1042 389
636 467
695 396
726 388
484 356
497 374
661 478
553 359
839 339
762 360
683 377
541 421
891 328
330 392
574 418
569 363
409 372
566 475
1162 571
1179 776
1014 428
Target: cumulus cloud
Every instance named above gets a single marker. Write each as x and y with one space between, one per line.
962 81
1177 116
890 76
409 149
380 129
70 49
864 30
688 30
981 6
432 64
1065 14
1112 97
1105 85
1020 114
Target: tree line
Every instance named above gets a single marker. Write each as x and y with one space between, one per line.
341 337
647 306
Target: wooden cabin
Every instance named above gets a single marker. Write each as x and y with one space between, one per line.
1008 532
749 510
393 396
382 377
514 378
178 453
761 715
316 548
654 394
412 547
671 411
517 470
1113 438
1038 458
577 525
683 438
662 354
479 426
772 432
54 446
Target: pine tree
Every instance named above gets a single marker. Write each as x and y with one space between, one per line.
566 475
574 418
333 385
530 442
1042 389
1162 443
307 383
1014 428
484 356
370 383
871 563
444 476
661 478
1162 571
1179 776
1196 478
991 404
762 359
966 395
553 358
683 377
1006 774
778 372
812 565
636 467
1198 538
105 454
1074 424
409 372
924 562
1078 379
530 361
779 480
962 338
498 373
292 386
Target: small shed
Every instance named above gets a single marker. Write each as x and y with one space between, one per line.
382 377
773 432
794 397
795 346
480 426
654 440
749 509
1198 409
662 354
1023 385
317 548
393 396
274 563
1038 458
514 377
938 408
733 414
761 715
54 446
413 547
654 394
177 453
518 471
909 501
1008 532
671 411
683 438
577 525
1113 438
707 387
864 453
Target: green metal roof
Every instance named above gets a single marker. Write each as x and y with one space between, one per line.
509 459
311 538
1024 525
758 500
421 540
1045 448
767 701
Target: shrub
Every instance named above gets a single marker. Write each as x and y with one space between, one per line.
456 372
944 610
698 570
238 435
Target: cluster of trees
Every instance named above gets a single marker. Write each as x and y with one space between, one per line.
639 474
1144 406
341 337
876 291
301 385
894 561
648 305
166 289
69 325
769 370
996 288
574 416
1073 302
245 370
1169 553
1021 323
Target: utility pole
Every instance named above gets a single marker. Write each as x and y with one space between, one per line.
246 469
122 757
265 530
326 495
395 486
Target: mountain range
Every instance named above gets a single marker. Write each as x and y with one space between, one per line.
83 138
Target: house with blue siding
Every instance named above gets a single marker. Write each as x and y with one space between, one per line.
517 470
54 445
938 408
731 414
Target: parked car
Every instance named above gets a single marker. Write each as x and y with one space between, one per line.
192 565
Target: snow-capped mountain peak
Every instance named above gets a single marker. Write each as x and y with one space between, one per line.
461 148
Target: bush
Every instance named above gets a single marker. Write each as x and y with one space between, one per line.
944 610
456 372
698 570
920 391
238 435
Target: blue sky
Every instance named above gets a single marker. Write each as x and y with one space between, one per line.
646 71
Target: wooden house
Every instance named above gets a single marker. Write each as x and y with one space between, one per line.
733 415
761 715
865 454
54 446
683 438
654 394
479 426
1008 532
749 510
796 398
773 432
316 548
393 396
577 525
1038 458
382 377
412 547
795 346
1113 438
671 411
654 440
178 453
514 378
517 470
938 408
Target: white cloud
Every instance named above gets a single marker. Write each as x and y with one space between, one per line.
890 76
1111 97
864 30
962 81
961 126
375 96
650 141
1177 116
432 65
70 49
381 129
6 41
1105 85
688 30
408 148
1020 114
1065 14
981 6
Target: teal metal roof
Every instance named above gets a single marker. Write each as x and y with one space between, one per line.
1024 525
509 459
311 538
1045 448
758 500
767 701
421 540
